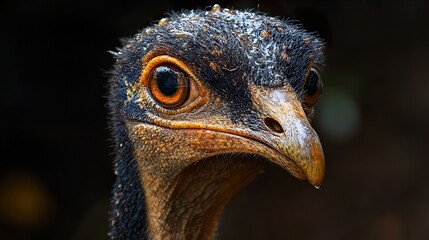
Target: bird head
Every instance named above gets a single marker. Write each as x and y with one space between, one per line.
201 100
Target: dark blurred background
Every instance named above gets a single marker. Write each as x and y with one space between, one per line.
56 170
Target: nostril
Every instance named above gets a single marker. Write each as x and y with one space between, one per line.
273 125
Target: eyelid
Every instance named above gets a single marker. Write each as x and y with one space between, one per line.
160 60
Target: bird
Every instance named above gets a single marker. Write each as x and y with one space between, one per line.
200 102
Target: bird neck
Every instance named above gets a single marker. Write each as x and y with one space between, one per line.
188 205
128 214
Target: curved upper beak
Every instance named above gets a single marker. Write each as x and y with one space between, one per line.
301 144
297 140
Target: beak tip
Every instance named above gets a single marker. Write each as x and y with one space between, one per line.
315 173
316 170
316 181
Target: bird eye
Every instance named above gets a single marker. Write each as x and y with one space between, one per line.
169 86
312 88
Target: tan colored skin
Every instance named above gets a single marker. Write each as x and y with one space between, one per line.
186 186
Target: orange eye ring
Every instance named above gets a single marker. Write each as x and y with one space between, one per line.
169 86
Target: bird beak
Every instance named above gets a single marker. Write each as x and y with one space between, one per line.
301 144
292 135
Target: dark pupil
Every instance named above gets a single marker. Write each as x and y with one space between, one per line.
167 80
312 83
